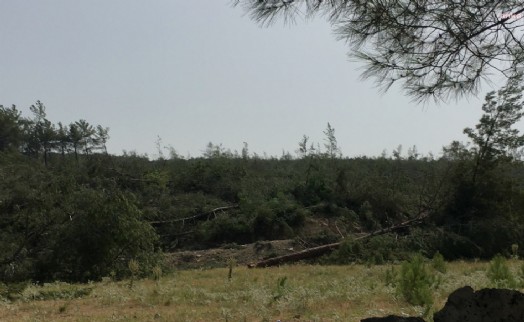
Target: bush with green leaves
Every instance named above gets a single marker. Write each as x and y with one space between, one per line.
12 291
56 291
438 262
499 273
376 250
225 228
390 276
415 283
281 288
277 218
103 235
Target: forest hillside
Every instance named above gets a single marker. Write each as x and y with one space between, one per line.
71 211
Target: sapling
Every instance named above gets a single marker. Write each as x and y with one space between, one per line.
515 251
230 263
499 273
134 268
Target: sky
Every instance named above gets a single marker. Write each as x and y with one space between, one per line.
193 72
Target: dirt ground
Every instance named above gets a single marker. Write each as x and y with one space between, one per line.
261 250
242 254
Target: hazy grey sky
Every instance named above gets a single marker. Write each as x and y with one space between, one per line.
198 71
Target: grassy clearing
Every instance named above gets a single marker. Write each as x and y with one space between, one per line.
289 293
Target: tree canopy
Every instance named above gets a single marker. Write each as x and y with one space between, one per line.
434 48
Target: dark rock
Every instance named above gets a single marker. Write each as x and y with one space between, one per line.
393 318
487 305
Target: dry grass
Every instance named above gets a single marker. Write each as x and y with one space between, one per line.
309 293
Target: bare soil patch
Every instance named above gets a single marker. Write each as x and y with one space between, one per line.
242 254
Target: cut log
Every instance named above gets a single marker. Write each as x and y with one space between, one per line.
324 249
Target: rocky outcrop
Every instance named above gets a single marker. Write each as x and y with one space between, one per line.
393 318
465 305
487 305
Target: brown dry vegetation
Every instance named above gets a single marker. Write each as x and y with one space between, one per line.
310 293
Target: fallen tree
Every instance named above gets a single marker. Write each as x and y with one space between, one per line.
324 249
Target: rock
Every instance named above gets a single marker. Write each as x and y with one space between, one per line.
487 305
393 318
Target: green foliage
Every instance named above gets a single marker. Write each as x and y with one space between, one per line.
515 251
415 283
12 291
436 72
156 272
521 274
10 128
331 145
56 291
494 136
366 217
58 226
277 218
376 250
281 288
103 236
134 269
499 273
391 277
438 263
231 263
484 182
69 211
225 229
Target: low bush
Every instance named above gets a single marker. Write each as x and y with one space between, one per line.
225 229
12 291
56 291
415 283
390 277
499 273
376 250
438 263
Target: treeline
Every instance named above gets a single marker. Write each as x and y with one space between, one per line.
38 137
63 213
71 211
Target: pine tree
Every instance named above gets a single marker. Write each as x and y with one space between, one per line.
494 137
434 48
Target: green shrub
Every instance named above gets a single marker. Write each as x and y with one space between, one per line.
376 250
281 288
12 291
225 229
56 291
390 277
515 251
156 273
272 222
231 263
367 217
499 273
414 282
105 233
438 263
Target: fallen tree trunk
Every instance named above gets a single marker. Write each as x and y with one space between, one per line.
324 249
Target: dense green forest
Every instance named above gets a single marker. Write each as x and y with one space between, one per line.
71 211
